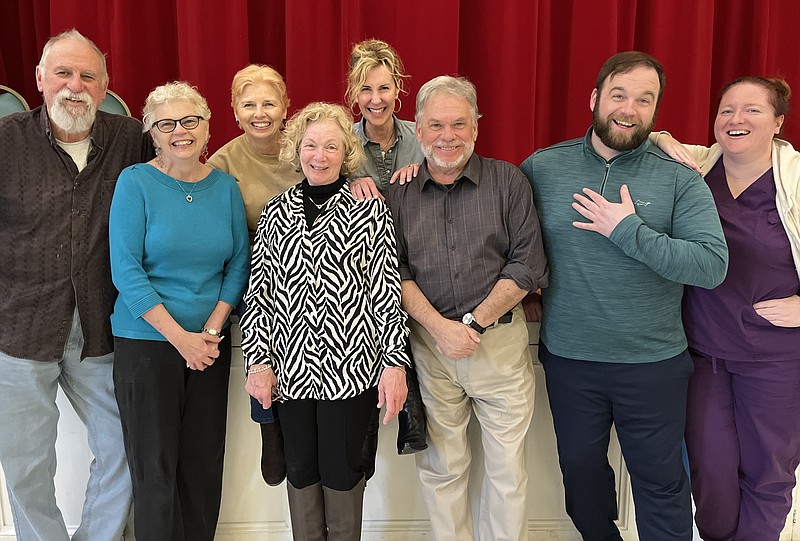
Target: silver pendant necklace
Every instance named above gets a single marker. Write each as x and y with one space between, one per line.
188 195
319 207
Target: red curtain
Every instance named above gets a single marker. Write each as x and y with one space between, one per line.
533 62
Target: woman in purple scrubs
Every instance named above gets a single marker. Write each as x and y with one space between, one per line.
743 415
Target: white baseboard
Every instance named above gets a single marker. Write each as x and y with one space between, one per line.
412 530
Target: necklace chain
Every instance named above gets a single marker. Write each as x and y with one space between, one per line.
189 197
387 144
319 206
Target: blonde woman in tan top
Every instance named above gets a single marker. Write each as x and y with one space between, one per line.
260 102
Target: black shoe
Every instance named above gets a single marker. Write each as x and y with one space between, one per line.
273 463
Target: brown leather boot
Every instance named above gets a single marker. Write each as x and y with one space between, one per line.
307 511
343 509
273 463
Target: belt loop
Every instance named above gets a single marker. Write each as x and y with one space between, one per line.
714 365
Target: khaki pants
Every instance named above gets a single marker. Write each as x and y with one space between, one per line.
497 384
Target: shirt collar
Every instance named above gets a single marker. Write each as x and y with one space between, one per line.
361 130
471 172
95 134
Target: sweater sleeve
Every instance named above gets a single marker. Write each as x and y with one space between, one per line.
237 267
694 253
126 231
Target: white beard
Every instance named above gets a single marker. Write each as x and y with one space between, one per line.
68 121
469 147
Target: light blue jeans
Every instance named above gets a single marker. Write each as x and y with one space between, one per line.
28 427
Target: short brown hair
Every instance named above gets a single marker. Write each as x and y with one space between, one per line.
627 62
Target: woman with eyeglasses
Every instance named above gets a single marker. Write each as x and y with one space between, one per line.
180 260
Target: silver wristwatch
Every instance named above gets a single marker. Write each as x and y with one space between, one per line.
469 320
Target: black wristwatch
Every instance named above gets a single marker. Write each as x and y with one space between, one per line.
469 320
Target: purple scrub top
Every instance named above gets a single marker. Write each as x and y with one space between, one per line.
722 323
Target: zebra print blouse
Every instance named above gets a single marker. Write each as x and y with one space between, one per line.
323 303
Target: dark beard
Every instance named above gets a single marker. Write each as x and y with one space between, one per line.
615 141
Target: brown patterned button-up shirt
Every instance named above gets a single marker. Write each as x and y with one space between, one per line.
54 233
456 242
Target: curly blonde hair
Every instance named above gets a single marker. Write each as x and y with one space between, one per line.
169 92
370 54
320 112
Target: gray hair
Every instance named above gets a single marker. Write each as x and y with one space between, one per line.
80 38
169 92
444 84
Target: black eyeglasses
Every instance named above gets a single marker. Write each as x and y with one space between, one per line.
168 125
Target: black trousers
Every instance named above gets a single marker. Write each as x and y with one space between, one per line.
647 405
173 422
323 439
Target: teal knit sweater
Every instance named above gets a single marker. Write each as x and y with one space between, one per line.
618 299
187 256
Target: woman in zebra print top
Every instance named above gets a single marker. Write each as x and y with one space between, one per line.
323 331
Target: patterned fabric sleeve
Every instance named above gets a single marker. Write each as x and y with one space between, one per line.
390 318
255 321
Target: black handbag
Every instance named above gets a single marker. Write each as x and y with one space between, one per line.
411 419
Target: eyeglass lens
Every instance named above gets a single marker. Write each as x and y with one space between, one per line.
168 125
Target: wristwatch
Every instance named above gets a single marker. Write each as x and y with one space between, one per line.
469 320
212 332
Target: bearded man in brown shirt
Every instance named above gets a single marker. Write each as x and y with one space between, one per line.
58 167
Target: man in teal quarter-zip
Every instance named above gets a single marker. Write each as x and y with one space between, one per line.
624 228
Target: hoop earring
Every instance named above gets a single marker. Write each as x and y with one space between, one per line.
204 154
400 104
356 114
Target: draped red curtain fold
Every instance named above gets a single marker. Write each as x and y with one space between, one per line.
533 61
